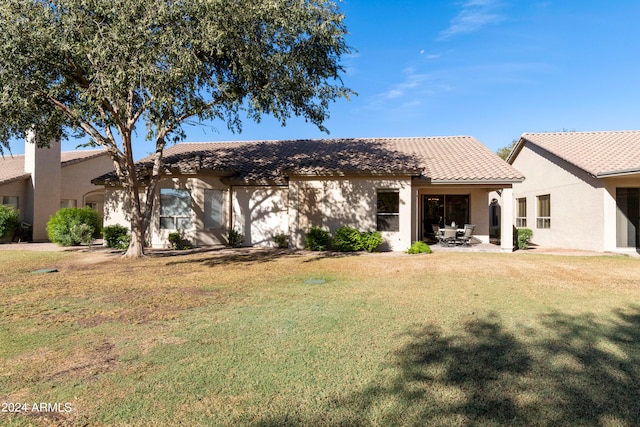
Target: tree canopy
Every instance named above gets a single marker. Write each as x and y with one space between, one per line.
110 68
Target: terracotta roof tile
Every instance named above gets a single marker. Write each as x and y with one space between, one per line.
440 159
598 153
12 166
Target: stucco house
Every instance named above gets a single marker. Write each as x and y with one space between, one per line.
582 189
43 180
399 186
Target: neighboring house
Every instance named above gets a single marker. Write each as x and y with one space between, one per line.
582 189
43 180
399 186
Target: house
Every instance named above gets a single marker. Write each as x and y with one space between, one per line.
582 189
399 186
43 180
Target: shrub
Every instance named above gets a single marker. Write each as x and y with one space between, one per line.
371 240
177 241
347 239
8 220
419 248
235 238
281 240
524 237
317 239
116 236
74 226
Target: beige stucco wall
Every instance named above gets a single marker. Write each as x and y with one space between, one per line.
17 189
260 213
577 202
348 201
75 183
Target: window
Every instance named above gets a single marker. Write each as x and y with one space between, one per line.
388 212
68 203
175 209
9 200
213 200
521 212
544 212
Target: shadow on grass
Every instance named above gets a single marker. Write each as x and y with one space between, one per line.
573 370
227 256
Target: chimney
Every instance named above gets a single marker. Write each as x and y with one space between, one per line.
43 193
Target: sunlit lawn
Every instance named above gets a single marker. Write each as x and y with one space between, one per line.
246 338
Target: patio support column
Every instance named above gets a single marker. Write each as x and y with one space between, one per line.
506 221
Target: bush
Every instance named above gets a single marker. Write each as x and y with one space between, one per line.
116 236
524 237
8 220
235 238
281 240
419 248
347 239
371 240
74 226
177 241
317 239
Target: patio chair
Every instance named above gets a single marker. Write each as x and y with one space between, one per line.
437 232
465 239
448 237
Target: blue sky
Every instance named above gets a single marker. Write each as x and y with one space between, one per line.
492 69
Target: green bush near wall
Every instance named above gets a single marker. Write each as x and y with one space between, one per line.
349 239
524 237
317 239
74 226
116 236
8 220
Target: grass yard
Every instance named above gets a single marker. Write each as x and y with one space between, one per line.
253 338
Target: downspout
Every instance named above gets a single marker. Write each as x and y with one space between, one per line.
230 209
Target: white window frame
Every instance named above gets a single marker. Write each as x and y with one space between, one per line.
543 221
386 213
10 201
213 209
175 217
521 212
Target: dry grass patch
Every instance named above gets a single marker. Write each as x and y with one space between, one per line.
243 338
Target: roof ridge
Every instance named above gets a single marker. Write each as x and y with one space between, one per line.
581 132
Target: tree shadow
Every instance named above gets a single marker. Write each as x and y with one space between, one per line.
571 370
228 256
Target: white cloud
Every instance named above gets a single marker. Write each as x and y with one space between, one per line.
475 14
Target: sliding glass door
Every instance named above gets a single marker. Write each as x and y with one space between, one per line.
628 218
443 209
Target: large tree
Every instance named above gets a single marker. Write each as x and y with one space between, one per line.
106 68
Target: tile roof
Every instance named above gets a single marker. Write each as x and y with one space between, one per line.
455 159
597 153
12 166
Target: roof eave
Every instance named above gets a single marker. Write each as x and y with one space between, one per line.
476 181
621 172
15 178
347 173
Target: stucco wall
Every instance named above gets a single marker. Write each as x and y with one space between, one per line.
76 178
348 201
260 213
577 201
17 189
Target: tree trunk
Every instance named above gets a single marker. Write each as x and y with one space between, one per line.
136 244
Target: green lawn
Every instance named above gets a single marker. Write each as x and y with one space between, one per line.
246 338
